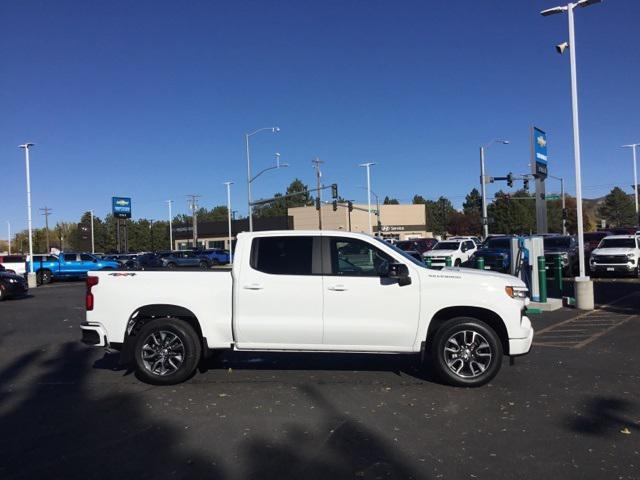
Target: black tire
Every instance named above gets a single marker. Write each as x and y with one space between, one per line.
3 294
457 263
43 277
171 265
164 329
204 266
215 262
485 341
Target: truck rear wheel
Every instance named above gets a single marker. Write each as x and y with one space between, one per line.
466 352
43 277
167 351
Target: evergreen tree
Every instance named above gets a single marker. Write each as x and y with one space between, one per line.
618 209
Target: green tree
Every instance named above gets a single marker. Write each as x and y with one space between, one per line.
390 201
473 203
512 213
279 206
617 209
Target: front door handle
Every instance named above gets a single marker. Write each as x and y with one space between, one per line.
338 288
253 286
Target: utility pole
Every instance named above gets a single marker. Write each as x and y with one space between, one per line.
193 205
9 235
170 202
31 276
316 165
46 212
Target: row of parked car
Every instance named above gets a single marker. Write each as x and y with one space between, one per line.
72 265
605 252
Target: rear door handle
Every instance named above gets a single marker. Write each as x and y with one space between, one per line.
253 286
338 288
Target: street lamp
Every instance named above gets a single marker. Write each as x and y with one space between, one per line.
249 179
583 286
31 277
377 207
228 185
564 220
483 189
635 177
368 167
93 244
169 203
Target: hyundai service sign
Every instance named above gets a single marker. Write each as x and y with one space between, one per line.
121 207
539 139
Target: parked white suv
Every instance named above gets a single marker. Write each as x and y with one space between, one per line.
616 254
459 251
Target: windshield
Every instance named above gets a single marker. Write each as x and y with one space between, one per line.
557 242
406 245
617 243
502 243
403 253
447 246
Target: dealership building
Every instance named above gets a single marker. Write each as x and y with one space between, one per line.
401 222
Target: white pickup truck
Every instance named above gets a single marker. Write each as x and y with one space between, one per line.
317 291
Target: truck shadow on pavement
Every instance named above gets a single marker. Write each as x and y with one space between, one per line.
605 416
59 421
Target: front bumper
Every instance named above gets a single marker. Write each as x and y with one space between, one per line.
612 267
15 289
522 345
94 334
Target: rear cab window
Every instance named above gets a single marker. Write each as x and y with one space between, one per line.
286 255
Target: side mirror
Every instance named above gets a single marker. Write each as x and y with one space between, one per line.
400 272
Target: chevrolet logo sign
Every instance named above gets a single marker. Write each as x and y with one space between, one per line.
122 203
541 141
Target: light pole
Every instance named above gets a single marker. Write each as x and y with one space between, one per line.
31 277
635 177
368 167
228 185
93 243
583 286
564 220
169 203
483 188
377 208
9 235
249 179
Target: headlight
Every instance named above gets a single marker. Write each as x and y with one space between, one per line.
631 256
516 292
12 280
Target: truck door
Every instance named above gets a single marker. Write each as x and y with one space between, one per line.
278 300
362 309
71 264
88 262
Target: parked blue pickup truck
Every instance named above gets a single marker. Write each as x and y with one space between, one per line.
66 265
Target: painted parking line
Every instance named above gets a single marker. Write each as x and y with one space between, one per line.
580 331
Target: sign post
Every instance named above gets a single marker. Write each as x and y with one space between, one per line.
121 209
540 171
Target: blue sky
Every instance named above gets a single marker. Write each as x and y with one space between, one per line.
151 99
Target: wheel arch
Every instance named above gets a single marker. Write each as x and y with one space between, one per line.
490 317
147 313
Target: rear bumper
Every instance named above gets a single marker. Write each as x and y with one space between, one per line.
94 334
521 346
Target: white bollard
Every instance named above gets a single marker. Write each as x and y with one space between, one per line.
584 293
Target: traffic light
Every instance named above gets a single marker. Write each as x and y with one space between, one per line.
317 203
510 179
334 190
350 206
335 205
526 184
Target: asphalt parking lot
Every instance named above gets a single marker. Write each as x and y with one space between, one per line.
570 409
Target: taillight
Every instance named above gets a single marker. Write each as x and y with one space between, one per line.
91 281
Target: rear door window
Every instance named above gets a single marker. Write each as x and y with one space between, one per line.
70 257
286 255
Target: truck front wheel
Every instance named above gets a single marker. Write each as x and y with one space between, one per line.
167 351
466 352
